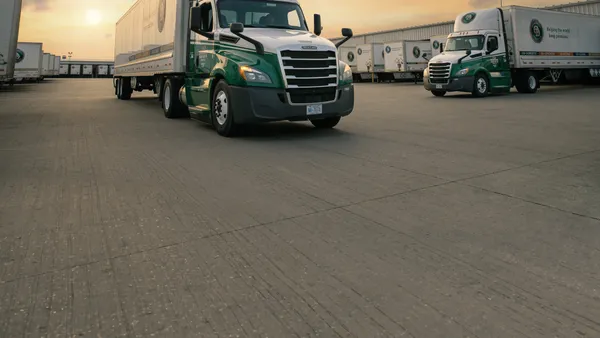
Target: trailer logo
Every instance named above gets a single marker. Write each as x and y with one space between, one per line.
436 44
536 30
20 56
467 18
416 52
162 14
359 51
350 56
388 49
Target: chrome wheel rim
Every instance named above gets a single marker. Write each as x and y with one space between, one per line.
481 85
221 109
532 82
167 98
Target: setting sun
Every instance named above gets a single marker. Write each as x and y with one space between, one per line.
93 17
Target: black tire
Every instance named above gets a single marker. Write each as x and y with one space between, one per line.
481 85
172 107
124 90
527 83
222 113
438 93
327 123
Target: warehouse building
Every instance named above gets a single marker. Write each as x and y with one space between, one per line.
590 7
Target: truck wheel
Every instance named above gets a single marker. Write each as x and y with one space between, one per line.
222 110
172 107
125 90
481 86
528 83
439 93
327 123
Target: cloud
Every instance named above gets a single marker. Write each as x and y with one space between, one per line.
37 5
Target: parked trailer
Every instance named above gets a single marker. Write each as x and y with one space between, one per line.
438 43
405 59
348 55
29 57
258 63
102 70
56 71
369 60
46 65
74 70
63 70
492 50
87 70
10 16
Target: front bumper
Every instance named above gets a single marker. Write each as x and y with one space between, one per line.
456 84
254 105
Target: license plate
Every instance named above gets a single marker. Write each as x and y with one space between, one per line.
314 109
438 86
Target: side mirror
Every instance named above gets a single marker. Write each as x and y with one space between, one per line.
237 28
196 20
441 47
317 23
424 55
347 34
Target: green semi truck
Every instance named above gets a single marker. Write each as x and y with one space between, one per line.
232 62
492 50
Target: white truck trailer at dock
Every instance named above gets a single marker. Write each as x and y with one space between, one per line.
56 69
370 61
438 43
232 62
492 50
405 60
47 65
28 62
347 54
10 17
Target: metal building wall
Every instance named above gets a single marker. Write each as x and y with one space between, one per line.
590 7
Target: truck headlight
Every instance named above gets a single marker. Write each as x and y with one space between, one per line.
345 72
462 72
252 75
426 72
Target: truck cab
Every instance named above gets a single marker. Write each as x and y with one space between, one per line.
253 61
474 59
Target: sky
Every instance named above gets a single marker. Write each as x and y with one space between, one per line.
86 27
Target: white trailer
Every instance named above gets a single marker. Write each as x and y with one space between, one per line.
10 16
56 65
28 62
369 60
348 55
47 65
87 70
438 42
102 70
492 50
405 59
64 70
74 70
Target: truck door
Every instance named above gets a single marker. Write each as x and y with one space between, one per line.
202 61
495 62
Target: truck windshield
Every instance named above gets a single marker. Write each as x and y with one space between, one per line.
472 42
262 14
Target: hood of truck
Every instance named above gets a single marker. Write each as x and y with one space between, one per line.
451 57
277 39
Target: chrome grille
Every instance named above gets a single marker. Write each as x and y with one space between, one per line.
311 76
439 72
